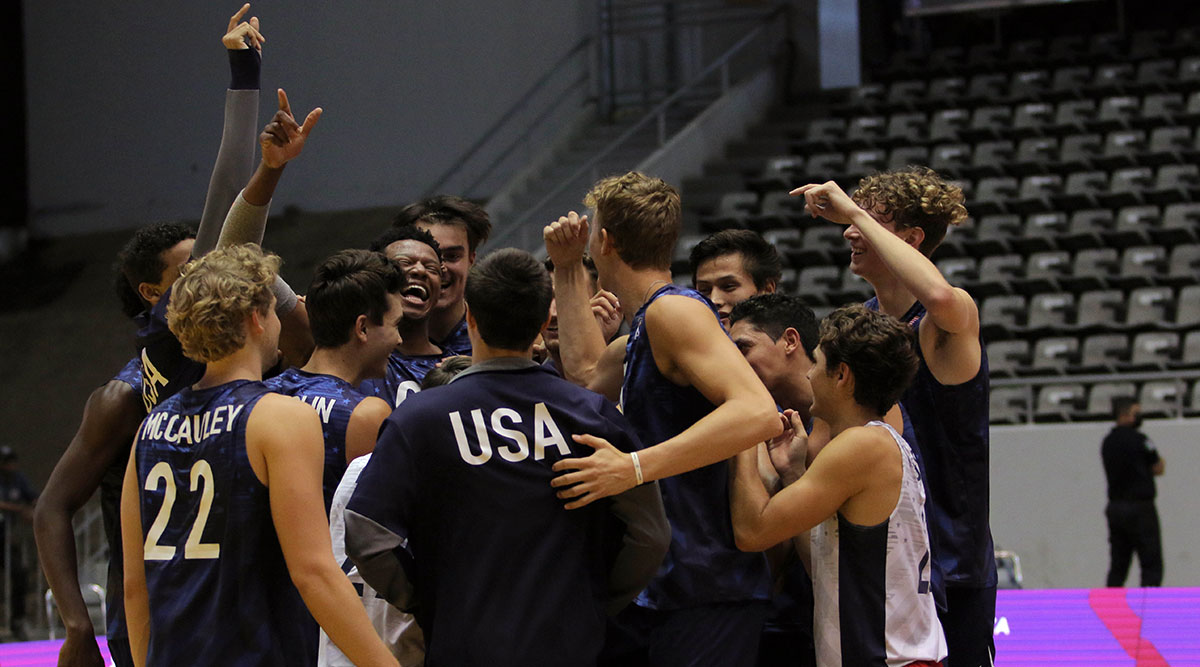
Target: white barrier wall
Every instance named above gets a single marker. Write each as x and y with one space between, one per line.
1048 494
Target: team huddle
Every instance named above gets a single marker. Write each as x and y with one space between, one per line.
443 456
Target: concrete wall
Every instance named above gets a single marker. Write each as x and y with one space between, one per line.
124 100
1048 495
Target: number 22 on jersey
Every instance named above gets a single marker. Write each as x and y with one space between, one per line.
193 549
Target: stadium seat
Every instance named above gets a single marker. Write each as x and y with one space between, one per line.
1031 118
1152 351
1036 192
1127 187
823 134
1027 52
1168 145
1091 269
946 124
989 122
1180 223
1192 407
905 156
1100 310
991 158
822 167
859 163
1112 78
993 194
1159 109
783 239
1149 308
1050 313
1003 316
1042 272
1189 354
1082 188
1148 44
779 209
1115 113
987 88
993 233
1100 399
1007 358
821 245
1103 353
851 289
1122 148
1086 228
779 173
947 89
1154 75
959 271
1141 266
950 159
1161 398
1040 232
1029 85
1187 309
1054 355
1008 405
1034 155
683 249
907 93
1176 183
996 273
1189 70
906 128
788 279
815 283
1059 402
1069 81
865 131
1133 226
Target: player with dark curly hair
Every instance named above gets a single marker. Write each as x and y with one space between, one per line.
894 222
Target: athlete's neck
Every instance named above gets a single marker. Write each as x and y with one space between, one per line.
414 338
796 393
244 364
442 321
340 362
634 287
894 297
849 416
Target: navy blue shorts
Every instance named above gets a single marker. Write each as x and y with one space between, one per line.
717 635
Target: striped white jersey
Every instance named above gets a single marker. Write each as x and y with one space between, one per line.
873 604
398 630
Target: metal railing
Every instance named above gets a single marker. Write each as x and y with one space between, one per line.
658 116
554 74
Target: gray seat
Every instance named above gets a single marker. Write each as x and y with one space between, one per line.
1100 310
1029 84
851 289
1153 350
1176 183
1034 154
1008 358
1141 266
859 163
1032 117
1091 269
1168 144
815 283
1042 272
1100 398
1059 402
1183 267
1008 405
991 158
1103 353
1189 354
1051 313
950 159
996 273
906 128
1037 192
1149 307
994 234
1082 190
1054 355
1003 316
866 130
1180 223
993 194
1122 148
1040 232
959 271
1187 309
1127 187
1161 398
1116 112
907 155
947 124
1086 228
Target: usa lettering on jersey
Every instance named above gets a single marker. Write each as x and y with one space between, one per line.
546 433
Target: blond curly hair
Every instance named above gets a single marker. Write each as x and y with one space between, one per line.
215 294
643 216
914 197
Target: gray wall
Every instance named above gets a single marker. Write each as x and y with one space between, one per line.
125 100
1048 497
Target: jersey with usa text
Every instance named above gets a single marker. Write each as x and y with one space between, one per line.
703 565
165 369
334 399
502 574
951 425
458 341
402 378
873 600
110 511
219 588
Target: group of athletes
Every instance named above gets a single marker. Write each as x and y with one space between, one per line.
503 461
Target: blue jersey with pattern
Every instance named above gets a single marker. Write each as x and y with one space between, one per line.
165 369
703 565
334 399
403 377
110 512
953 448
219 588
457 341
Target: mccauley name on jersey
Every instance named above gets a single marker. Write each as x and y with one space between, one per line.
172 427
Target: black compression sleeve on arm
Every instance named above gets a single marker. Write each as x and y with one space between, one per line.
244 68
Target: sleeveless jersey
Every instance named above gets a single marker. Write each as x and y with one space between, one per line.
219 589
953 446
334 399
403 377
398 630
165 369
703 565
457 341
110 513
871 584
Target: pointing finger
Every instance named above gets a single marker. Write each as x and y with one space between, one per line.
283 102
310 121
233 20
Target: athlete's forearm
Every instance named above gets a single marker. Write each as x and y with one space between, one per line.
234 164
916 272
747 500
734 426
55 538
330 598
581 342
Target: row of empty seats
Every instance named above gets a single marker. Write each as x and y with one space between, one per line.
1096 311
1078 402
1099 353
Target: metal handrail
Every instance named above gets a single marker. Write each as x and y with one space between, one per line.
522 101
658 114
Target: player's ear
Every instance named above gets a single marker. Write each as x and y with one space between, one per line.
149 292
915 236
607 246
770 287
360 327
791 340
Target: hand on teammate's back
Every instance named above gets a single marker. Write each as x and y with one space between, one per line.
243 35
829 201
606 472
567 239
283 139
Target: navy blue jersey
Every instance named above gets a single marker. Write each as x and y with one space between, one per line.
165 369
110 512
334 399
502 574
704 565
403 376
953 447
457 341
219 589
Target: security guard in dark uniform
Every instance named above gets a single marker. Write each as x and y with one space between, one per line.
1131 462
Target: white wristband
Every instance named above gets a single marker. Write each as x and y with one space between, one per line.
637 466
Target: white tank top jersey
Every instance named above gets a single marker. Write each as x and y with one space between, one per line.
398 630
873 604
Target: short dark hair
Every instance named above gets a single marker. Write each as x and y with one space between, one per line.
509 295
759 258
140 261
449 210
775 313
879 349
406 233
348 284
1121 405
444 372
588 263
643 215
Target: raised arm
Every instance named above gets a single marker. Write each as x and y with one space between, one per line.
690 348
110 420
235 158
137 596
286 437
